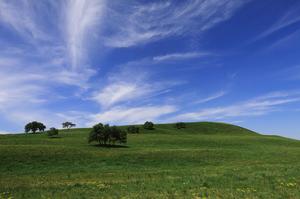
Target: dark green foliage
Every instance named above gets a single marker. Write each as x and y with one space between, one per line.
149 125
52 132
180 125
68 125
105 134
34 127
133 129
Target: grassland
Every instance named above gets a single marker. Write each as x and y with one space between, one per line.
205 160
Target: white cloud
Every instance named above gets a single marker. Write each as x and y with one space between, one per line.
212 97
133 115
291 17
21 16
138 23
257 106
118 92
180 56
56 36
82 18
130 91
19 88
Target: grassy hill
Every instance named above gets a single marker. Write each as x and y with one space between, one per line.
205 160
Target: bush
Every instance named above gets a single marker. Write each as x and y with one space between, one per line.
133 129
180 125
52 132
34 127
105 134
149 125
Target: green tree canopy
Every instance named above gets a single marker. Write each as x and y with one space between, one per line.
68 125
34 127
105 134
148 125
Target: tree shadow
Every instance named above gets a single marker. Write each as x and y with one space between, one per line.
110 146
54 137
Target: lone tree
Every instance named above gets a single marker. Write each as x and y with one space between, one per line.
133 129
180 125
105 134
34 127
68 125
149 125
52 132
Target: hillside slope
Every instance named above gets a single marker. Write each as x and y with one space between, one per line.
213 160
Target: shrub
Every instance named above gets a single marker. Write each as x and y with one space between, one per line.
52 132
34 127
149 125
133 129
180 125
105 134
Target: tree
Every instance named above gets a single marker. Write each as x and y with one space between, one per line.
105 134
133 129
52 132
68 125
180 125
149 125
34 127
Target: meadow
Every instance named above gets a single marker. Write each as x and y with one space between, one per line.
204 160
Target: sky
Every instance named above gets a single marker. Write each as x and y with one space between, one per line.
125 62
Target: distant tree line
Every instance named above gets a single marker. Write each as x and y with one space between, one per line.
103 134
34 127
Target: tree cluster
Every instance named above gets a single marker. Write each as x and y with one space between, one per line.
105 134
68 125
180 125
133 129
34 127
52 132
148 125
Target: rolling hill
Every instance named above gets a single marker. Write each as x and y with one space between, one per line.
204 160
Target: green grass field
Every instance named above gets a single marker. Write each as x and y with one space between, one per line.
205 160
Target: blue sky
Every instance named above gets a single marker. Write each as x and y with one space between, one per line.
124 62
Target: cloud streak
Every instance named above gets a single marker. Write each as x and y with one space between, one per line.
180 56
258 106
82 18
134 115
144 23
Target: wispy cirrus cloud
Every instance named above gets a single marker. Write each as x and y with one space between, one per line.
211 97
124 87
54 31
82 18
48 50
143 23
258 106
133 115
289 18
21 16
180 56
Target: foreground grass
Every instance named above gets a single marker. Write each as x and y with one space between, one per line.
206 160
